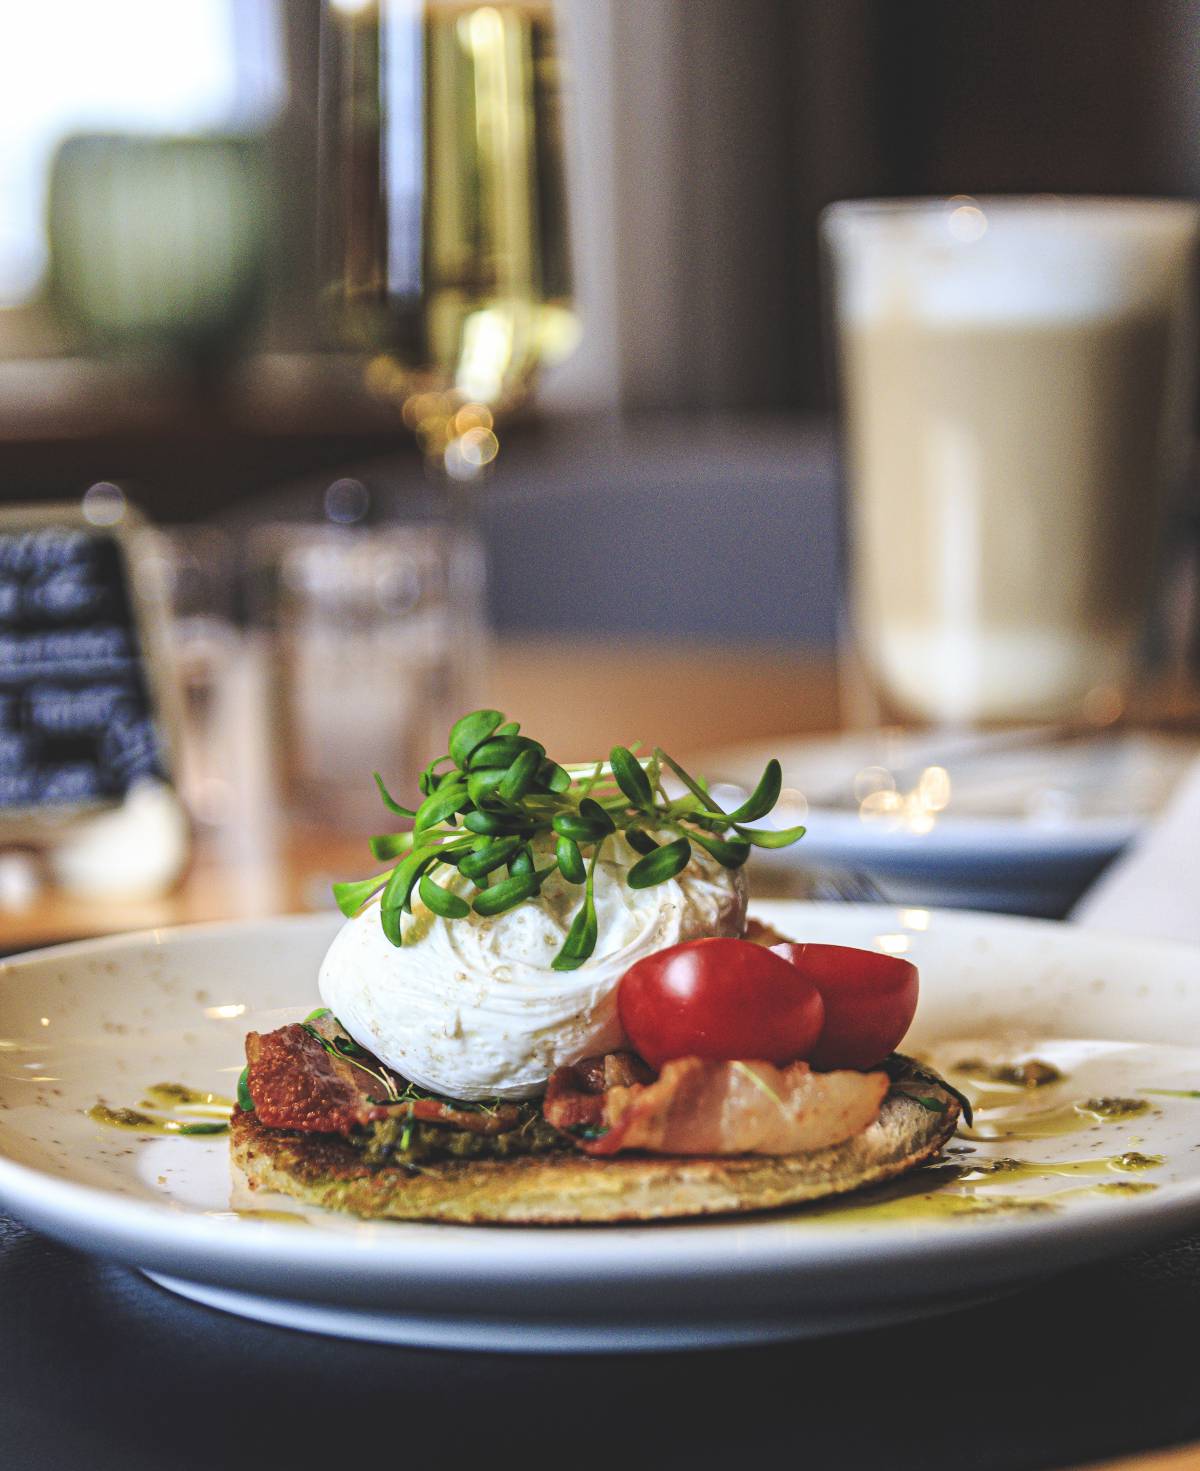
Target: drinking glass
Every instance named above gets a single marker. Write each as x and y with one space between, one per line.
444 242
1016 387
372 637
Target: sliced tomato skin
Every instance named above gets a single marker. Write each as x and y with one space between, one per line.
719 998
870 1001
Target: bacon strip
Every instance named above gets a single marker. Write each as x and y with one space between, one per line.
297 1084
699 1106
762 934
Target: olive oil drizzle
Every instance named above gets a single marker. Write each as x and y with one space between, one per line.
1051 1123
181 1110
1026 1169
286 1218
1014 1101
962 1189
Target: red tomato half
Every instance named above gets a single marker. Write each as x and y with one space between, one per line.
870 1000
724 999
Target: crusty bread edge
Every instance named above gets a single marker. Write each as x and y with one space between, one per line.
572 1189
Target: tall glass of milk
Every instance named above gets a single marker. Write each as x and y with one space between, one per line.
1015 379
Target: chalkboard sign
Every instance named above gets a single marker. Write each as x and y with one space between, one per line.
78 716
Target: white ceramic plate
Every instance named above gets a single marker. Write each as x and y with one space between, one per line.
1025 829
107 1018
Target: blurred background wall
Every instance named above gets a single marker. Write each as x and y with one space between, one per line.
705 137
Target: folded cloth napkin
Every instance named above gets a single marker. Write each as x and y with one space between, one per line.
1154 887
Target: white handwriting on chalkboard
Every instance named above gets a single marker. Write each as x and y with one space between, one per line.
74 781
17 788
65 594
130 746
75 651
59 710
14 751
77 719
43 551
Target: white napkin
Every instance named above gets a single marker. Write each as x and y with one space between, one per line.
1153 889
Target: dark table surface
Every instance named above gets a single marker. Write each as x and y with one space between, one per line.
103 1369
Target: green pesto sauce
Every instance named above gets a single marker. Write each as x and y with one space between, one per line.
178 1095
182 1110
1022 1169
1067 1118
1032 1073
1111 1109
400 1141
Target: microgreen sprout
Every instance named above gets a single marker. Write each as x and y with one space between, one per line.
495 791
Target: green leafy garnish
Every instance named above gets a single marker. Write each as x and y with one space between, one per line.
494 793
441 900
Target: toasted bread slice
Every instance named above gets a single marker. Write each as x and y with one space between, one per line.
918 1117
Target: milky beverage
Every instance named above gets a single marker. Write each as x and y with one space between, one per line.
1014 391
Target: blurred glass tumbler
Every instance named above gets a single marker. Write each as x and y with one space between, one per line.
159 242
1015 379
375 644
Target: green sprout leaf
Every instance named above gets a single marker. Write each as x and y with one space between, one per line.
481 785
244 1097
663 864
498 824
771 837
696 788
504 752
583 828
398 893
389 801
570 860
444 803
495 855
763 797
555 777
507 894
640 840
441 901
591 811
350 897
471 731
391 845
520 776
630 777
731 853
581 939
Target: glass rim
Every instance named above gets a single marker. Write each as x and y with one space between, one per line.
845 215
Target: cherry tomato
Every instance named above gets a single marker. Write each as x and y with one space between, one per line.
718 998
869 1000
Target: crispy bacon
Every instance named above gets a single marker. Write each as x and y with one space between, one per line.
762 934
297 1084
575 1096
699 1106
